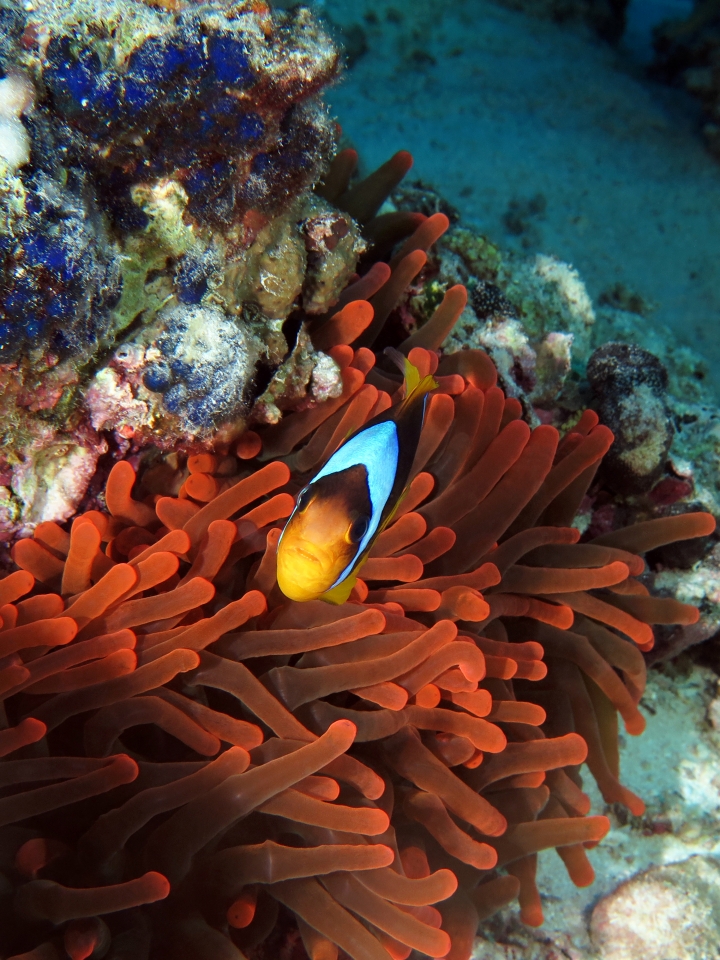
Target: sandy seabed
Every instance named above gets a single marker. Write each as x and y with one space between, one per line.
503 109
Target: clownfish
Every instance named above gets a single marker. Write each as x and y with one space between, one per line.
344 508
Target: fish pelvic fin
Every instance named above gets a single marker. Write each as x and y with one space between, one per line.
341 591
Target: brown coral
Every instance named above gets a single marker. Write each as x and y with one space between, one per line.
218 772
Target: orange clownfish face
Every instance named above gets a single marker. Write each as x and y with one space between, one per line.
323 536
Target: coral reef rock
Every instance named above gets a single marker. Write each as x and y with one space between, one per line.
532 315
156 166
523 308
668 911
629 386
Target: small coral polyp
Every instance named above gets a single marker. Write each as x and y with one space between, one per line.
237 774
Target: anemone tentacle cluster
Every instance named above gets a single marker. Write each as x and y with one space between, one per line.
199 763
191 763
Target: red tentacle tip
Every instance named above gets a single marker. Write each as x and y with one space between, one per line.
34 855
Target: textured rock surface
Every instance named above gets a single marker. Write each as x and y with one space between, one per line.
533 316
629 386
669 911
156 230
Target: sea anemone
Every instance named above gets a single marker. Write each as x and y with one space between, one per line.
384 772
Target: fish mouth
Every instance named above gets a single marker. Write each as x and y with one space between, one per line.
307 558
307 555
302 572
312 554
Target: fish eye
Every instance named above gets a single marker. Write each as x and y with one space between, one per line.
358 529
303 498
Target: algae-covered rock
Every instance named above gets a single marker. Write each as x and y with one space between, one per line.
533 316
629 386
191 376
157 229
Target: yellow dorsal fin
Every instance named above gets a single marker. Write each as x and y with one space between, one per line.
415 387
412 378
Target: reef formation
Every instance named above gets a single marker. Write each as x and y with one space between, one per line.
157 232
